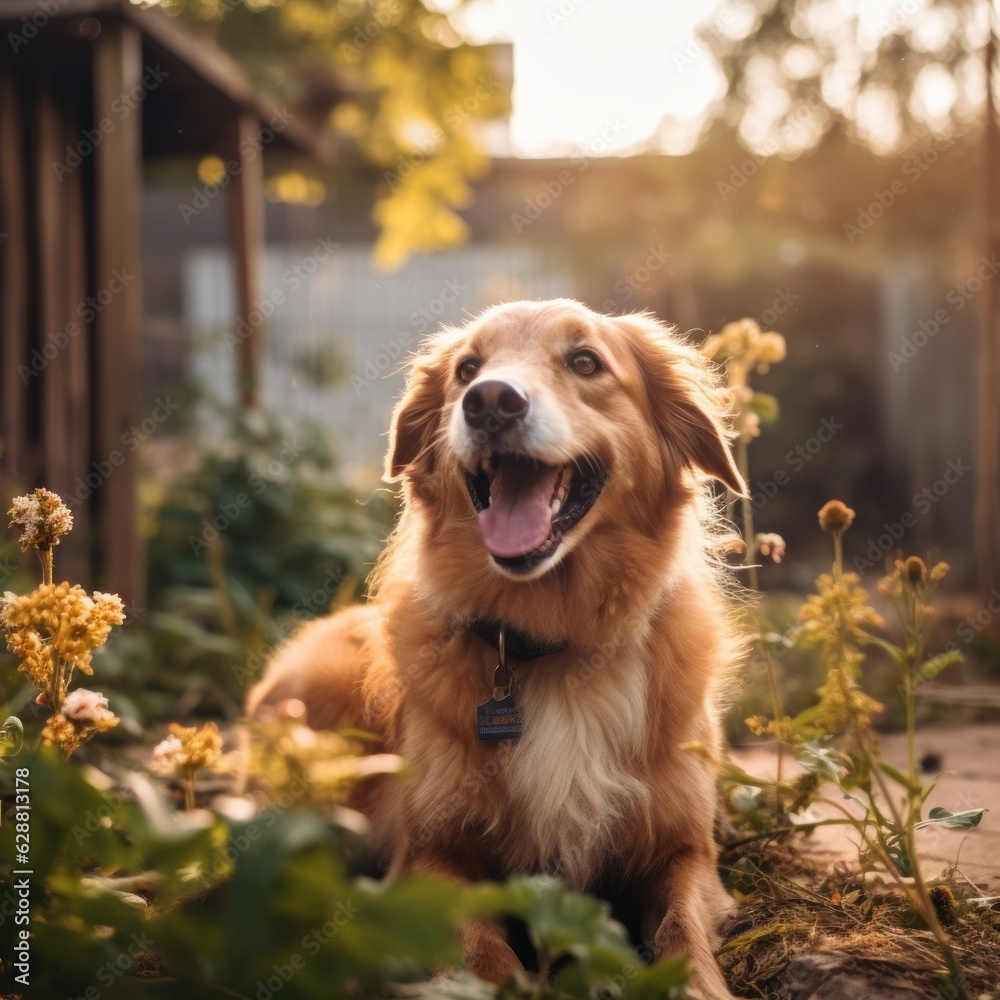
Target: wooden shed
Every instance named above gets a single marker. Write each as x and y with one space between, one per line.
89 91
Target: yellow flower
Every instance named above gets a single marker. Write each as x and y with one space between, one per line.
60 732
760 725
44 517
742 343
58 622
839 607
187 749
85 713
837 617
841 702
771 350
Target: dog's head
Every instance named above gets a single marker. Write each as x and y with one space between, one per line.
543 421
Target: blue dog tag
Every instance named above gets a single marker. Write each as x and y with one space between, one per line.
499 720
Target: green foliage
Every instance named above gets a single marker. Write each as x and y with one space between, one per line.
258 536
397 85
884 803
251 907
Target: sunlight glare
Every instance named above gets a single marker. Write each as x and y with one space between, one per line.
581 67
877 119
934 95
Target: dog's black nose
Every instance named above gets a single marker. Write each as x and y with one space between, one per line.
491 403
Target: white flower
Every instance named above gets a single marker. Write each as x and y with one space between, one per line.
167 755
90 707
772 545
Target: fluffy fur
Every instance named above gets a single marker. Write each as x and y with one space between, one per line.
598 788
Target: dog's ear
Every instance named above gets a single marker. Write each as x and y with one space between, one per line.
415 422
684 396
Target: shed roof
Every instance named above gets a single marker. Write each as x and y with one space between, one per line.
199 84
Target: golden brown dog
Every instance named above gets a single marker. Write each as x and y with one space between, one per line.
553 464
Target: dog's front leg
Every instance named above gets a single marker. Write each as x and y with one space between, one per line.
686 907
486 952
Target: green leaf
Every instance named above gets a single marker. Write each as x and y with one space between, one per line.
929 669
826 761
11 737
657 982
964 820
766 407
901 859
897 655
565 923
914 788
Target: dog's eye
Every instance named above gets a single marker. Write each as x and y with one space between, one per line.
585 363
467 370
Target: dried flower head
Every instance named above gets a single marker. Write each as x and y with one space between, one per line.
911 584
770 544
187 749
835 517
44 517
944 903
916 571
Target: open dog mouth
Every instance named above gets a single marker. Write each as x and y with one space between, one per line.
526 506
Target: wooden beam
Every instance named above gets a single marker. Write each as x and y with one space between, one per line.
15 357
246 243
117 290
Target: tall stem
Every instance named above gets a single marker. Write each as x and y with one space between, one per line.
914 657
753 581
57 685
746 514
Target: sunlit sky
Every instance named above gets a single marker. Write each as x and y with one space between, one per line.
600 75
617 76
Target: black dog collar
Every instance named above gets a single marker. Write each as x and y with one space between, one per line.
519 646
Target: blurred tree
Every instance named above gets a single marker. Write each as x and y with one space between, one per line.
388 78
887 72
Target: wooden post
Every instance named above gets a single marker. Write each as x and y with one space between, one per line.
52 307
117 69
79 399
13 285
987 483
246 233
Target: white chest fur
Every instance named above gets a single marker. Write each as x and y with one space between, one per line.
574 774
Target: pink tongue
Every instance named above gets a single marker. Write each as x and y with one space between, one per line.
518 518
